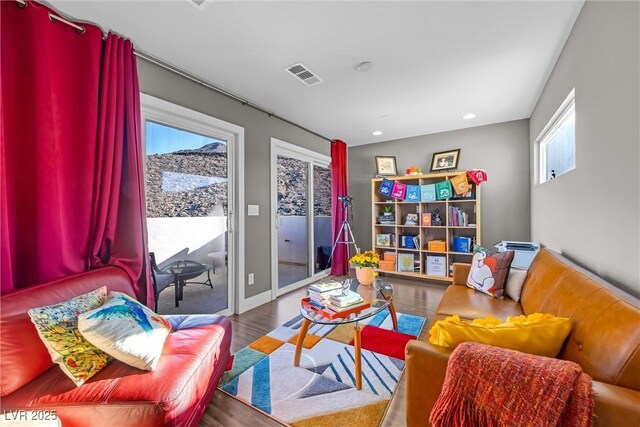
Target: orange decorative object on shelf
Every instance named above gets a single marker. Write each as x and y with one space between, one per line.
437 245
387 265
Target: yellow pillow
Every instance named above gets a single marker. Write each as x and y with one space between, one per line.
541 334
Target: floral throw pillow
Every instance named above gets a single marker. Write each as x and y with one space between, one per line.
126 330
57 326
489 271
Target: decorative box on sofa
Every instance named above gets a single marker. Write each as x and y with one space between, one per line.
604 340
176 393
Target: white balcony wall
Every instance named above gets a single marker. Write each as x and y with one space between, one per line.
186 238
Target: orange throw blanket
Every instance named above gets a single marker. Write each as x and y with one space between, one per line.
491 386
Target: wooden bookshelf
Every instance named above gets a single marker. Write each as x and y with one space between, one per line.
446 232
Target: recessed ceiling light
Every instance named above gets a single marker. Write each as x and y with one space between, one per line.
469 116
377 133
365 66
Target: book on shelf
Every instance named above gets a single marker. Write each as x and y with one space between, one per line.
462 244
428 193
413 193
436 265
406 241
416 242
458 217
387 219
406 262
426 219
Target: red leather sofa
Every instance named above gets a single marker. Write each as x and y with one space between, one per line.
176 393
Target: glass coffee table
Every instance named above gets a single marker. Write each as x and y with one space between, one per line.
379 295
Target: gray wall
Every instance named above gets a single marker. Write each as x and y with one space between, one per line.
259 128
500 149
591 214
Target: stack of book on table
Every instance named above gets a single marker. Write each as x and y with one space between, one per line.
320 293
341 303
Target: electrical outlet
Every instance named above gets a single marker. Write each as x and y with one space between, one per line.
251 279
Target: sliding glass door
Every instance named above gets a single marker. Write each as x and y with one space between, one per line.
301 216
189 192
321 216
291 221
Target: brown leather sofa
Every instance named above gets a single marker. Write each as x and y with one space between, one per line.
604 340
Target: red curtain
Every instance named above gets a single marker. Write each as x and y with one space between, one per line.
71 167
339 187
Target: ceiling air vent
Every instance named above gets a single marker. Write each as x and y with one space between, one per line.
302 73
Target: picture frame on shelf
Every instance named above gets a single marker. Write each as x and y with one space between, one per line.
445 160
405 262
386 166
383 239
471 194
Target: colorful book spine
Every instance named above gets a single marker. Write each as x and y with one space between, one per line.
458 217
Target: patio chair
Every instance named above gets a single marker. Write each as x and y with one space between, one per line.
161 279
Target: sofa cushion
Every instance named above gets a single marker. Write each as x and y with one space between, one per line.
469 304
19 340
57 326
194 357
126 330
489 271
515 282
540 334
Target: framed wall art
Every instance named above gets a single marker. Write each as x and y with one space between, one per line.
445 160
386 166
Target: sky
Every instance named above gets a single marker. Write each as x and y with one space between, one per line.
162 139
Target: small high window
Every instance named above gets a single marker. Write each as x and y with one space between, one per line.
557 143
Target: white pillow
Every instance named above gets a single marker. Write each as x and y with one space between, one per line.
515 282
126 330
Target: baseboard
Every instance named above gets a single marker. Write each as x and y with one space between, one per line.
254 301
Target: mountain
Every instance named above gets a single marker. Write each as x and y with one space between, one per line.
213 148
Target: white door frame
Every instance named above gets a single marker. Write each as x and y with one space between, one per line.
279 147
170 114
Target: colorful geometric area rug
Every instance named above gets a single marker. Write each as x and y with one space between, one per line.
321 391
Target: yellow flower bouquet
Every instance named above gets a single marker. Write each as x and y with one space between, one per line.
366 259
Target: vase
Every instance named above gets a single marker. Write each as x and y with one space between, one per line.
365 275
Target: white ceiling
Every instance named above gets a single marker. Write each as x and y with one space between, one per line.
434 61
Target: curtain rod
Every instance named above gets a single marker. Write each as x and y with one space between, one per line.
177 70
55 18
